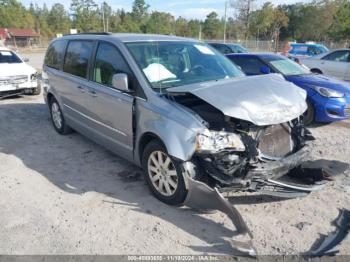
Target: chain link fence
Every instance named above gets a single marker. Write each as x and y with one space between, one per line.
271 46
42 43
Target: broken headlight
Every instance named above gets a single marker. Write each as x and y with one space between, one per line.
34 77
327 92
215 141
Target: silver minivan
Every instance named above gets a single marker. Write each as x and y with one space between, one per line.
180 110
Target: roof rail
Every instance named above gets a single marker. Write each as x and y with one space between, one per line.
92 33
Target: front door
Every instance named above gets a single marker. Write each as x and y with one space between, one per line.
110 109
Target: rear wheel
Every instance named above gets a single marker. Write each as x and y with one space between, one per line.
57 118
309 114
163 174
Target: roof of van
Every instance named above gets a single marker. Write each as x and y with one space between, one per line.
128 37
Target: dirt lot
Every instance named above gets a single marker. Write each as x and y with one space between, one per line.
67 195
35 58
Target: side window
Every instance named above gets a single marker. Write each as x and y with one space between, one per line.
77 58
338 56
313 50
108 62
249 65
55 54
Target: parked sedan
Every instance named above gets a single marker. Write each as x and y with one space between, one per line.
328 99
229 48
306 49
16 77
335 63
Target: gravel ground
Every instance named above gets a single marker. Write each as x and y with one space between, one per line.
67 195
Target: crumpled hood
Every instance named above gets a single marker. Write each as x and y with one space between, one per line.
321 80
15 69
262 100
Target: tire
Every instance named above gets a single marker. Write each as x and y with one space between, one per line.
309 115
57 118
168 175
316 71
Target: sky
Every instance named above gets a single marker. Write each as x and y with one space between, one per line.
185 8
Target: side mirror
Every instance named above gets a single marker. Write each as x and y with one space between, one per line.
26 60
265 70
120 82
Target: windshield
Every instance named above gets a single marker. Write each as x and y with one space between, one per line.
287 67
9 57
174 63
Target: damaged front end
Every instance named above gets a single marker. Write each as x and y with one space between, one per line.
249 144
237 155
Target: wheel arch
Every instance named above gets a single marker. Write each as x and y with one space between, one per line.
143 142
49 96
177 146
316 70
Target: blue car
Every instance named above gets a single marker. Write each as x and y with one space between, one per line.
302 50
328 99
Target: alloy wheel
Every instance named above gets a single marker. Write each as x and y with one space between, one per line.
56 115
162 173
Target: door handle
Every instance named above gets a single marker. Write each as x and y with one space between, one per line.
93 93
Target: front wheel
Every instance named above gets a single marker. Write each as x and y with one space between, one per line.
163 174
309 114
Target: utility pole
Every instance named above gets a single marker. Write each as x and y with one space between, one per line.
225 17
103 16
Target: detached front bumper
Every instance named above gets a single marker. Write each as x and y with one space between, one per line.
277 168
268 178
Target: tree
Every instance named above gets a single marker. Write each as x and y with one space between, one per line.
340 27
244 8
279 20
212 27
194 26
14 14
261 20
58 19
181 27
126 23
139 13
87 16
160 23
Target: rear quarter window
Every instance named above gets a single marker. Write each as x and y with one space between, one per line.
77 57
55 54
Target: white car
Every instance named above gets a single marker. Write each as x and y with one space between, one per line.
16 77
334 63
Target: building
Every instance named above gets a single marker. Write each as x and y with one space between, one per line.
19 37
